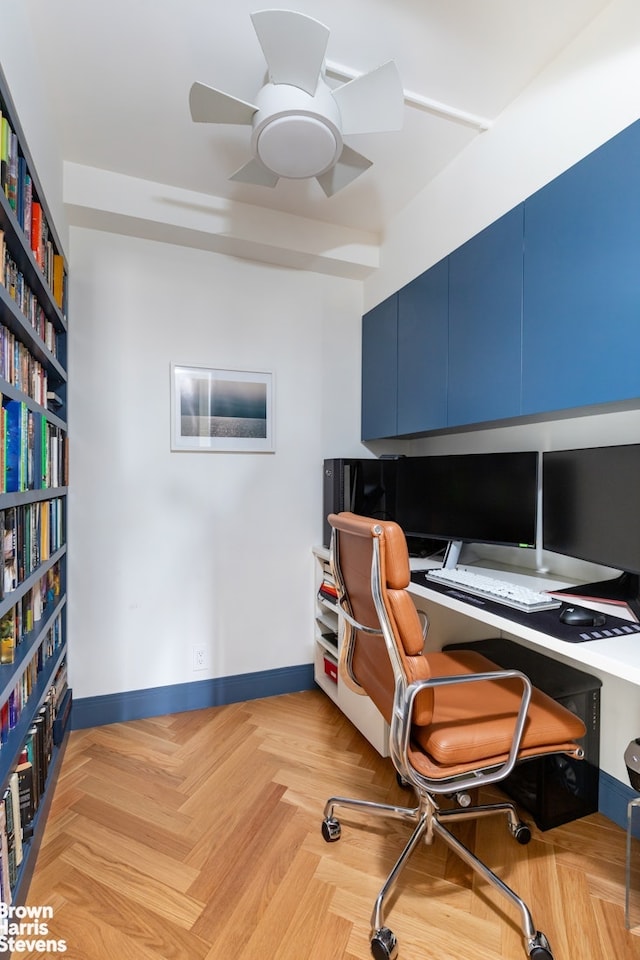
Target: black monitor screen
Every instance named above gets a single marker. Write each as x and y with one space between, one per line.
476 497
590 505
372 488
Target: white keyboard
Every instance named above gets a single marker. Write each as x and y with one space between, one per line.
490 588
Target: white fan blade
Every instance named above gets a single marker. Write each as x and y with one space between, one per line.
348 167
209 105
294 46
372 103
255 172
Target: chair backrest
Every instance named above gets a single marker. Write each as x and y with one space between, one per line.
371 567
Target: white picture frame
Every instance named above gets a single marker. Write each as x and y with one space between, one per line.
223 411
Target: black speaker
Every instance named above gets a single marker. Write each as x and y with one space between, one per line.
632 761
364 486
557 789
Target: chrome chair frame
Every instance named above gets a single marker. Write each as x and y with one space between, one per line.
426 813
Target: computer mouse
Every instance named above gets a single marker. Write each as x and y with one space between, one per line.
581 617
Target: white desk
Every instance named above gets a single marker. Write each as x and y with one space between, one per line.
614 660
616 656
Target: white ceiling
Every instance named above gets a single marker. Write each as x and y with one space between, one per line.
119 73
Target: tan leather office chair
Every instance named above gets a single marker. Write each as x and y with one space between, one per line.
457 721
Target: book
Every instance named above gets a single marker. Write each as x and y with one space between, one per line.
328 590
10 560
5 883
28 195
39 450
41 767
11 837
36 231
3 453
4 722
14 789
32 745
12 175
16 446
5 137
24 771
8 636
58 279
20 181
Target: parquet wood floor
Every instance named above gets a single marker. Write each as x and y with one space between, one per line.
197 837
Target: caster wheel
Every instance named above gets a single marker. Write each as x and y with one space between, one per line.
522 833
539 948
331 829
402 782
384 945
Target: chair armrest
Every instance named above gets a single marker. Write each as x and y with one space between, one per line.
403 711
424 621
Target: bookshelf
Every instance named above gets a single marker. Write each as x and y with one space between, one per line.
35 699
328 639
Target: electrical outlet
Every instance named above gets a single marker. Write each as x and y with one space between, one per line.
199 658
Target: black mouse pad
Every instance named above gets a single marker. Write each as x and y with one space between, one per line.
546 621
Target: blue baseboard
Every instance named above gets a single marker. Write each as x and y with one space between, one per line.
176 698
613 798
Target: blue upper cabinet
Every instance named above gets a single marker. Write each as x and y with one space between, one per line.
582 282
485 323
422 351
538 313
380 370
404 359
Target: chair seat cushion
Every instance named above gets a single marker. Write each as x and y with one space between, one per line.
473 723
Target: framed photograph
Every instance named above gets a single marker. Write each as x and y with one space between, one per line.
221 410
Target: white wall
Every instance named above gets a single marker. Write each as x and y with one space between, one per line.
174 549
583 98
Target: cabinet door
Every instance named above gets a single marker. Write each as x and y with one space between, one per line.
380 370
581 282
485 323
422 351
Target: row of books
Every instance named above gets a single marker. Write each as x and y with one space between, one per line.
11 834
17 623
21 369
27 783
32 532
12 278
328 591
17 184
33 451
11 709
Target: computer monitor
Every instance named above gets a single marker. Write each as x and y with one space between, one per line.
469 498
590 512
364 486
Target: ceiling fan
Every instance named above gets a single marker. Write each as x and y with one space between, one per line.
299 122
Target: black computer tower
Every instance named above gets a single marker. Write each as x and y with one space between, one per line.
558 789
364 486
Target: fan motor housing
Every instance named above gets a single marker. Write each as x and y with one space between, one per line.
297 135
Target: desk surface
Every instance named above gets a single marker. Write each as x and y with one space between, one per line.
618 656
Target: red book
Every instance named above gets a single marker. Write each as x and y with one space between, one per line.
36 230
